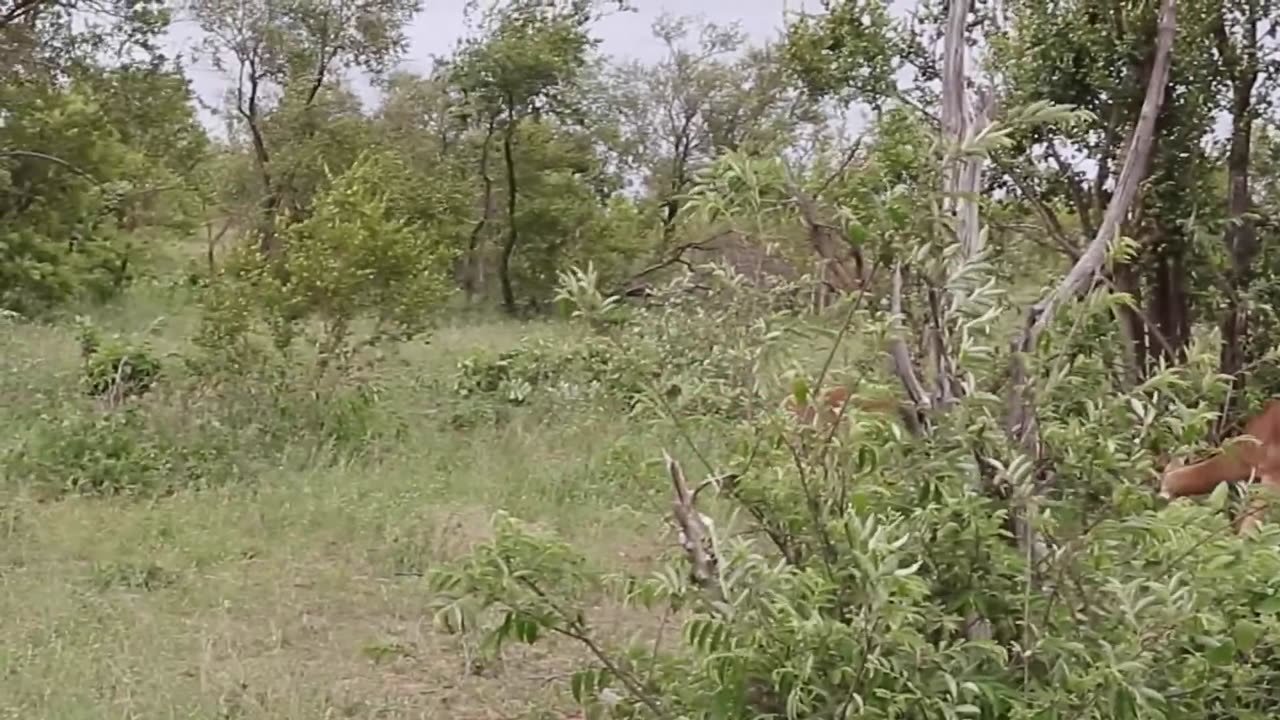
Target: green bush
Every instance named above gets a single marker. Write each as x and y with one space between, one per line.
120 370
697 356
131 450
359 270
875 575
116 369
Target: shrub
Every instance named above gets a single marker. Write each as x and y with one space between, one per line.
357 271
129 450
116 369
874 574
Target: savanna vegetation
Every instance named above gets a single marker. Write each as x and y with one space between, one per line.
479 401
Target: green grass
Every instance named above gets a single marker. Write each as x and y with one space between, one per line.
299 595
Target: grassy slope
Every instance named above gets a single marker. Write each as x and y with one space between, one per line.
297 599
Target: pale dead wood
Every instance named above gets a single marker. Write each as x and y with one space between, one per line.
694 534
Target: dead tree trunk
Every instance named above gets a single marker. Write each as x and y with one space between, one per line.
961 180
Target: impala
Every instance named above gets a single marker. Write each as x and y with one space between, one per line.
1254 455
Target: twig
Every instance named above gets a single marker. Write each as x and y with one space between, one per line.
574 629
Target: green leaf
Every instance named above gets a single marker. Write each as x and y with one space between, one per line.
868 460
1246 634
1218 498
1222 654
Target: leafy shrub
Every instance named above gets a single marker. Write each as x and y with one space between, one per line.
129 450
688 353
358 270
588 370
117 369
858 602
874 574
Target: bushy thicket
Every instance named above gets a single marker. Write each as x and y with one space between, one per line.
698 347
851 572
281 368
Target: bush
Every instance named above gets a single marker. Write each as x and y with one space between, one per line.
875 574
128 451
117 369
357 271
697 356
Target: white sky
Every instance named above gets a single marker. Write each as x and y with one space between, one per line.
441 23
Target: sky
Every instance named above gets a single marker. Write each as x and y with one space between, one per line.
441 23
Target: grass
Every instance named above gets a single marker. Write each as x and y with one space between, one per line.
300 596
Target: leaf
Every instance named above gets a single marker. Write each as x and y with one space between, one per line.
1246 634
1218 498
1222 654
1270 606
904 572
857 234
868 460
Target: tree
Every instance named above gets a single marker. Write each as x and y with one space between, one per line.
711 93
520 69
83 164
1238 30
282 57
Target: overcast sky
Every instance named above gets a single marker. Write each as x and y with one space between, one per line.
627 35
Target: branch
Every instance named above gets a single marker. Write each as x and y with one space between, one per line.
49 158
1090 263
844 165
820 238
675 257
693 534
901 355
20 9
575 629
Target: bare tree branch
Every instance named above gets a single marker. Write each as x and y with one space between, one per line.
1088 267
19 10
49 158
694 533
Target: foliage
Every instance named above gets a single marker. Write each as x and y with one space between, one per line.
869 555
950 560
857 49
62 194
125 451
116 369
82 166
523 67
374 250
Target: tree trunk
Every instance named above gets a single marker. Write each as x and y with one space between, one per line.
1132 328
1021 420
1169 302
509 246
268 243
268 204
1241 236
471 264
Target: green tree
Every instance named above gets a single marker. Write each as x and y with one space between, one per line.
84 166
520 69
284 59
370 263
711 93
